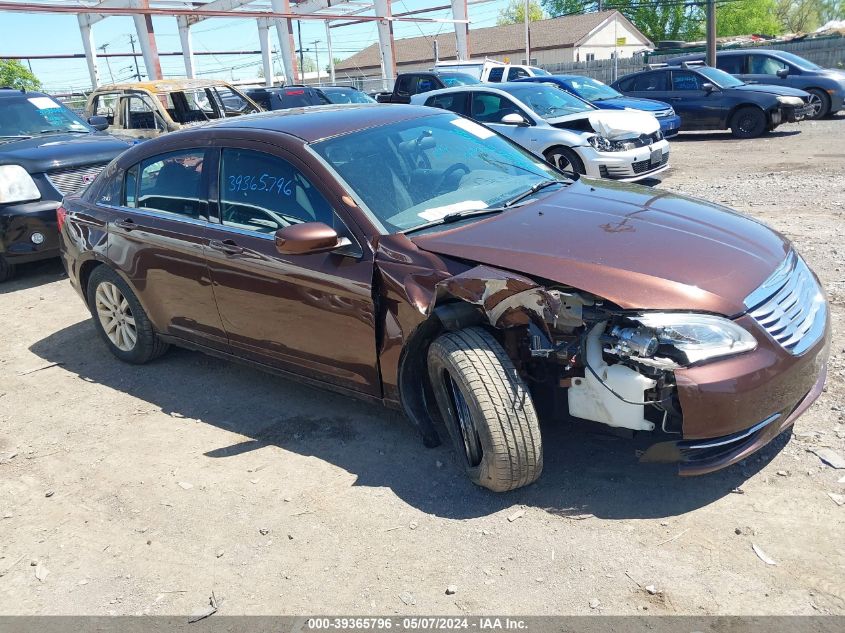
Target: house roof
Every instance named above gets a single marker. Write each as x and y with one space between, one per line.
562 32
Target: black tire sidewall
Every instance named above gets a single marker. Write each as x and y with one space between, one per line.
438 365
146 341
577 165
760 128
7 270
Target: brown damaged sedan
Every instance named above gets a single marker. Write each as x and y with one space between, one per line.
413 257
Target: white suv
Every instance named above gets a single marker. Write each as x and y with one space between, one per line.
490 69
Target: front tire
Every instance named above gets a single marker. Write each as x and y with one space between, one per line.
565 159
820 101
120 320
7 270
487 409
748 122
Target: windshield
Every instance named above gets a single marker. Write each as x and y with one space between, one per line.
720 77
547 101
26 116
346 95
457 79
414 172
802 63
592 90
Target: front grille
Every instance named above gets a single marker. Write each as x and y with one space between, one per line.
662 114
790 306
74 179
642 166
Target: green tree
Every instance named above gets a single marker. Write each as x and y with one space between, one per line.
832 10
799 16
337 60
657 19
514 13
747 17
15 75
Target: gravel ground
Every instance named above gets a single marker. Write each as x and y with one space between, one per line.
140 490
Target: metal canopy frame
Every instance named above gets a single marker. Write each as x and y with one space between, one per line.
267 14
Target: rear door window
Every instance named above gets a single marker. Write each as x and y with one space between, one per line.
453 101
765 65
731 64
496 74
173 183
650 82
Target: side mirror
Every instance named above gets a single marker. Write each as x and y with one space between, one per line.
514 119
783 73
708 87
307 238
99 123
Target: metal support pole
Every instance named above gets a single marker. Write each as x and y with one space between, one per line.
87 34
187 45
317 58
385 42
331 55
527 35
615 47
711 32
147 40
301 50
108 62
264 40
134 58
459 12
284 31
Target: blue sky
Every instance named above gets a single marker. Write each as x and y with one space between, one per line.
23 34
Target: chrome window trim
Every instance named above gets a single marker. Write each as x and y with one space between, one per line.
156 213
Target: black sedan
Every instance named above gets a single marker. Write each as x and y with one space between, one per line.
707 98
46 152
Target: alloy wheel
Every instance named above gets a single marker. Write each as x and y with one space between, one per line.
463 420
116 316
816 102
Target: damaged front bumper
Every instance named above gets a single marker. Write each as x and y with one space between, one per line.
791 114
626 166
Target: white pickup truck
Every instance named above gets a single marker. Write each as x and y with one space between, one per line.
489 69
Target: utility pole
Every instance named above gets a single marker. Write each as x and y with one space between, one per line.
301 65
134 58
331 55
317 58
108 62
711 32
527 35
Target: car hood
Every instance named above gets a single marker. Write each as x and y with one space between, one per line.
620 103
55 151
783 91
637 247
611 124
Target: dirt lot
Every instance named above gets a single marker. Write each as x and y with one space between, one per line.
141 490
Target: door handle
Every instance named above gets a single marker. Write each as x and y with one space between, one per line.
226 246
126 224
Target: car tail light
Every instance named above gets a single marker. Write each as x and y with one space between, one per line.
61 214
295 92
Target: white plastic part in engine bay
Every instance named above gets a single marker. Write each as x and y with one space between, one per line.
621 124
590 400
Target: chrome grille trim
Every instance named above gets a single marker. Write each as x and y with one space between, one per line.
72 180
790 306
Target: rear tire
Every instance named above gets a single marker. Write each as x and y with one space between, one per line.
565 159
820 101
7 270
487 409
120 320
748 122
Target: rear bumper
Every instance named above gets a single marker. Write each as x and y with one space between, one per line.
670 125
20 223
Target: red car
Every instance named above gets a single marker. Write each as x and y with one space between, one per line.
415 258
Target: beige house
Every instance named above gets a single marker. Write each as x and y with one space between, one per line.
554 41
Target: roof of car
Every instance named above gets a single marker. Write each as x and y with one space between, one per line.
164 85
313 123
14 92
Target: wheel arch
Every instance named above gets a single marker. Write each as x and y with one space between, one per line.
746 104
